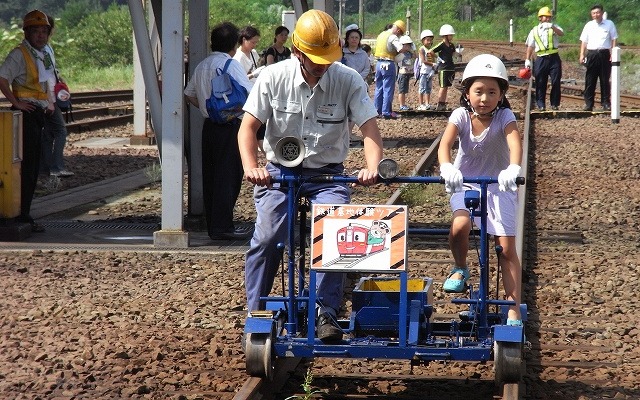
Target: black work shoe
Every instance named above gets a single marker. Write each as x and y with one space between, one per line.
239 233
554 108
606 107
327 328
587 108
35 227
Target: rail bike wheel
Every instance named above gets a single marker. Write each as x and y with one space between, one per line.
507 362
259 355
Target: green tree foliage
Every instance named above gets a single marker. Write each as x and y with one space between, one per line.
102 39
265 15
75 11
10 9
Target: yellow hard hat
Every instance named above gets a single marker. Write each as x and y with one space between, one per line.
35 18
545 12
316 35
401 25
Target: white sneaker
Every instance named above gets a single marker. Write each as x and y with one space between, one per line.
422 107
63 173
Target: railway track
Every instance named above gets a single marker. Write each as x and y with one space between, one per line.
570 342
559 343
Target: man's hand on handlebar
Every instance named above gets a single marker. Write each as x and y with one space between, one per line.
258 176
367 177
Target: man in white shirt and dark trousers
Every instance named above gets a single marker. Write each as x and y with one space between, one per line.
597 39
543 38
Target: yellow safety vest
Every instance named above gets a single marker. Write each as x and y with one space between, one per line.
544 51
381 50
32 88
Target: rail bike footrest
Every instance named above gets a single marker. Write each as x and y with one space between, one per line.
376 307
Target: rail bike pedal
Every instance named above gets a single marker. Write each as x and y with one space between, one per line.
469 316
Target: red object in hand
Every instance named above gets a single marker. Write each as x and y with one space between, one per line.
525 73
62 91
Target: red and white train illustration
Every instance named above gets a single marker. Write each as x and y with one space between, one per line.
355 240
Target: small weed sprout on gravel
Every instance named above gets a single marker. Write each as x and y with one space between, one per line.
153 172
306 386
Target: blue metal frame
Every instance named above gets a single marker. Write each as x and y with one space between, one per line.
469 340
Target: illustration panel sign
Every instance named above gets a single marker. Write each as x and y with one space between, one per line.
354 237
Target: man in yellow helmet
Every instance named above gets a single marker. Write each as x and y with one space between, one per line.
543 38
22 82
311 97
387 48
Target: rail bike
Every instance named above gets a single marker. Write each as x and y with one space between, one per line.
392 315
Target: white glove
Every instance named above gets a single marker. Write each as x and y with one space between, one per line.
507 178
527 63
452 177
546 25
257 71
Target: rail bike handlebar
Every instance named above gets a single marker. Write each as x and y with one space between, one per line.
286 178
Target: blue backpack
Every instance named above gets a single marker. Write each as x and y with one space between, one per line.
416 68
227 97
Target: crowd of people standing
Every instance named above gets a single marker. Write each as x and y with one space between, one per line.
318 92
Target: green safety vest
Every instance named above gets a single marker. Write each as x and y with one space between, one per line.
542 50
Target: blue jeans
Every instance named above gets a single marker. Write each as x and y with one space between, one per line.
426 83
385 86
53 140
264 257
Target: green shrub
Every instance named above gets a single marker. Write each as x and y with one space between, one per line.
101 40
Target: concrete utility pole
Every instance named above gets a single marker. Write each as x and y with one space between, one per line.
420 11
361 16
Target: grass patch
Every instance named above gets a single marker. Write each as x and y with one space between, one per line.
153 172
420 194
109 78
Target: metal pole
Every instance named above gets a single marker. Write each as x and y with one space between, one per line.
149 72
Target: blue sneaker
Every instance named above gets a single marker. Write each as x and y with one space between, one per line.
456 285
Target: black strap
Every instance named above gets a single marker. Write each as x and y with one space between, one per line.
254 60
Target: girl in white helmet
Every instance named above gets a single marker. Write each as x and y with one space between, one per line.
426 70
446 72
489 145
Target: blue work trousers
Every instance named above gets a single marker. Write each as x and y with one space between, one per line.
385 86
545 68
53 142
264 257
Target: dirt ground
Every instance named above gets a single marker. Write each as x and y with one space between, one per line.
108 325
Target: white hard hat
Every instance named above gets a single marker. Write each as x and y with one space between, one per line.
352 27
425 33
446 29
485 65
406 40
